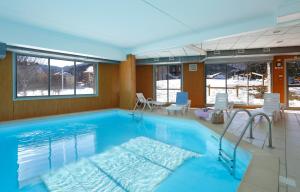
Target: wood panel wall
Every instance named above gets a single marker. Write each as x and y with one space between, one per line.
144 80
128 82
108 87
6 94
194 84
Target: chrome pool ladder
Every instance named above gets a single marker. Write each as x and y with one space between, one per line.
230 160
136 110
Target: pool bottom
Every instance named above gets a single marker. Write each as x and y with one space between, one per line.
140 164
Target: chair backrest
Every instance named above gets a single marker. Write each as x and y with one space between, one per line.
182 98
221 101
141 98
271 102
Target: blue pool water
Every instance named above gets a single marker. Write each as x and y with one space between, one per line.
32 148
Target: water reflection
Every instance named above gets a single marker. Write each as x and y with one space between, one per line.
41 151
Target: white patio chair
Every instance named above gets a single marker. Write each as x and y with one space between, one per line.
221 103
147 102
271 106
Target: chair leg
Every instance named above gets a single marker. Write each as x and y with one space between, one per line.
135 106
148 104
227 113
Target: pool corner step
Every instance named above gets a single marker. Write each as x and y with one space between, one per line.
132 166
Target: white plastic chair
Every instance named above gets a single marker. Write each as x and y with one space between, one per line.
221 103
142 100
147 102
271 106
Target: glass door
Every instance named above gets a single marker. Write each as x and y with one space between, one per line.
293 81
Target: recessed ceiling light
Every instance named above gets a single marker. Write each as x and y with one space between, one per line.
276 31
280 41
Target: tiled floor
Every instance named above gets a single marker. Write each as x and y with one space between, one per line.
286 142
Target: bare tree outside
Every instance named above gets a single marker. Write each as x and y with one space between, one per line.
32 76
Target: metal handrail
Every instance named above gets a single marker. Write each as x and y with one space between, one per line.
230 121
244 131
249 123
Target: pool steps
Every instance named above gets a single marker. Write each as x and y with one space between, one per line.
137 165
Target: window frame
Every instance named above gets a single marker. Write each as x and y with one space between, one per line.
167 89
49 96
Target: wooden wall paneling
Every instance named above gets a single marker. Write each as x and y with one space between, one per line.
110 84
144 80
104 78
194 84
6 103
128 82
115 86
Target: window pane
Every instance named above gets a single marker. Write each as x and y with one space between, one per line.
85 78
174 77
161 77
237 83
162 95
293 73
172 95
62 77
259 82
32 76
215 81
294 96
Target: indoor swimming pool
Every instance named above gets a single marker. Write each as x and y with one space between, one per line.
112 150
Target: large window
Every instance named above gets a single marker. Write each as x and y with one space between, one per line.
46 77
245 83
167 82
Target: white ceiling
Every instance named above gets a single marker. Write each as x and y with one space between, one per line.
114 28
273 37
